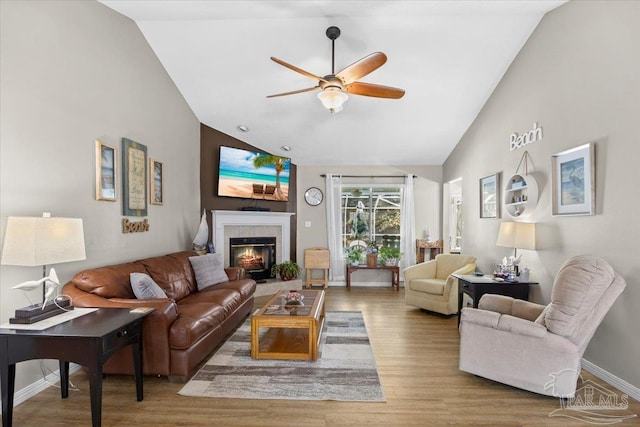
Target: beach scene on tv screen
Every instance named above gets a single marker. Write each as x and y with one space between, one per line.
253 175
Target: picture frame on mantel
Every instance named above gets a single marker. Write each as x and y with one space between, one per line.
156 182
105 172
573 181
490 196
134 178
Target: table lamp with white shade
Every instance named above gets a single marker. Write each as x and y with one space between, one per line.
34 241
517 235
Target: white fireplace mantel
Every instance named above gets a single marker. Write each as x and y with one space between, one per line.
220 219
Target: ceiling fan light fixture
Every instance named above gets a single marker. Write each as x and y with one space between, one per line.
332 98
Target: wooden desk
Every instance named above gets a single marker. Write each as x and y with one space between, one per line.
88 340
394 269
476 286
422 246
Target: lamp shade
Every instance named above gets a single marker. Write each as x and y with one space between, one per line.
332 98
32 241
518 235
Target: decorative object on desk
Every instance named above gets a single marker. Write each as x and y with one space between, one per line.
490 196
355 255
294 298
372 254
572 175
34 241
525 275
134 178
105 172
287 270
156 182
202 235
389 256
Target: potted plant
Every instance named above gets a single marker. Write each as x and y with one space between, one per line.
287 270
355 255
372 254
389 256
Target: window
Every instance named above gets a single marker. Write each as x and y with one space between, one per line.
375 214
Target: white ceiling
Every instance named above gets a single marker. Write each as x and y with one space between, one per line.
447 55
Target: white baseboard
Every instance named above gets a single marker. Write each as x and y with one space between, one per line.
631 390
34 388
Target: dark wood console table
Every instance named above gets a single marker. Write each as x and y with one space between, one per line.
394 269
88 340
476 286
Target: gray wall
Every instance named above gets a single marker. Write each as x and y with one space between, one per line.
578 76
73 72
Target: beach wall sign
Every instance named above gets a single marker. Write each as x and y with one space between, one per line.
517 141
134 227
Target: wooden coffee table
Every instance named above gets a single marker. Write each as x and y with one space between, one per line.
281 331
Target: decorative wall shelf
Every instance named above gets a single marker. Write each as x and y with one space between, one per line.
520 195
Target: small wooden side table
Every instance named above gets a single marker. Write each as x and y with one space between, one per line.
394 269
88 340
316 259
422 246
476 286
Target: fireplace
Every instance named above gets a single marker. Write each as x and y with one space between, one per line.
255 254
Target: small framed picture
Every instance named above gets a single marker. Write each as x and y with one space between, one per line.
490 196
105 172
573 181
134 178
156 179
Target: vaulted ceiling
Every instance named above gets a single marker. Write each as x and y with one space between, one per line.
447 55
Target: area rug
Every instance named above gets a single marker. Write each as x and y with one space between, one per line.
345 369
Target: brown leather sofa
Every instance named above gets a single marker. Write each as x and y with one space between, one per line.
186 326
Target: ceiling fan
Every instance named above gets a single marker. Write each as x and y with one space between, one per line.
336 86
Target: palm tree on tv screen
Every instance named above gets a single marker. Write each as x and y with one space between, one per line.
278 163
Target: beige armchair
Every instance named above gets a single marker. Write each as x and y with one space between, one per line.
534 347
430 286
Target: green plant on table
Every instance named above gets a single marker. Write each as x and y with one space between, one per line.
355 254
389 255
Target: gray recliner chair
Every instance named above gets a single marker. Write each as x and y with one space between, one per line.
534 347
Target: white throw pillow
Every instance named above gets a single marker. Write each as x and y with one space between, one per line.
144 287
208 270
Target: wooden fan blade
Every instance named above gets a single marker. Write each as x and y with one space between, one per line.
298 70
377 91
361 68
293 92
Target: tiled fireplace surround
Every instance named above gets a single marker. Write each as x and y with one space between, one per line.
227 224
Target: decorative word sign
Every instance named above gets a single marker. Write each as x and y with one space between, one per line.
517 141
134 227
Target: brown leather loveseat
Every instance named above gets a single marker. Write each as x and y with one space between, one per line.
186 326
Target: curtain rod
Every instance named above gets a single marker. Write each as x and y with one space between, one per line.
369 176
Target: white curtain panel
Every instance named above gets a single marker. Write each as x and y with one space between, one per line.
333 186
408 226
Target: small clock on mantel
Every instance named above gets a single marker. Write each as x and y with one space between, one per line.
313 196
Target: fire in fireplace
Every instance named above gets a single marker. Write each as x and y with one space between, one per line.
255 254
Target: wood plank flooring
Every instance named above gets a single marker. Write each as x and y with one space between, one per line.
417 357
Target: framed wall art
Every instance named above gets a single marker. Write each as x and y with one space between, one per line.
573 181
105 172
156 182
134 178
490 196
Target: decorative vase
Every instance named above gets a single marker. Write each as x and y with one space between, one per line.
372 260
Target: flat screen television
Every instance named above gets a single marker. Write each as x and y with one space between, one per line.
253 175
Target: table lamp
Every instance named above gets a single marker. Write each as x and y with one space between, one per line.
517 235
33 241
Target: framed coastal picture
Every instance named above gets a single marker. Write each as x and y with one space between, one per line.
490 196
105 172
573 181
156 181
134 178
